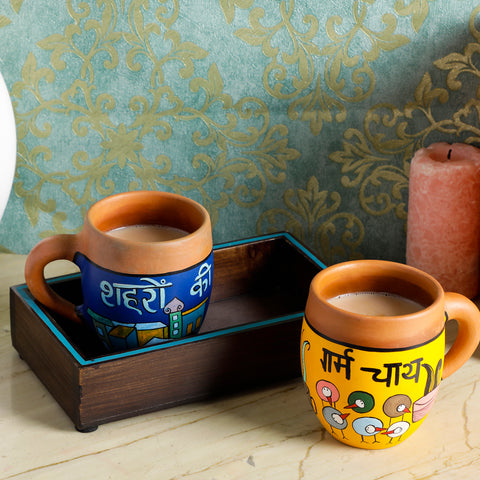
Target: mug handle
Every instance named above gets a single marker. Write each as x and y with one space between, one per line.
467 315
57 247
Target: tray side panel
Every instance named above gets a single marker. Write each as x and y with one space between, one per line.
237 269
261 265
38 346
202 370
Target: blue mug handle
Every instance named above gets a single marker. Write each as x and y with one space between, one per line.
57 247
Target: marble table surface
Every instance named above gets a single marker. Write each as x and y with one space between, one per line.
270 433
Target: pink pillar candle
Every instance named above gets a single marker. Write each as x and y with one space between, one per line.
443 231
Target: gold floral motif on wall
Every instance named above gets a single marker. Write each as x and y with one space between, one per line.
315 218
242 126
348 75
390 131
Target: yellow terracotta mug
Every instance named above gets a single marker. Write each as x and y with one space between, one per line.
373 348
146 264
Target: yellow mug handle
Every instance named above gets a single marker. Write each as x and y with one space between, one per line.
467 315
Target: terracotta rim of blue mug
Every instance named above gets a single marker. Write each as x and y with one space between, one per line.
147 207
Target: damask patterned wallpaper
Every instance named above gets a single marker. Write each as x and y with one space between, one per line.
297 115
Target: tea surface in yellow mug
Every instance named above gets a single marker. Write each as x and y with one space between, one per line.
375 303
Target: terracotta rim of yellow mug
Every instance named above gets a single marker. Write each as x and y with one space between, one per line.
146 207
382 332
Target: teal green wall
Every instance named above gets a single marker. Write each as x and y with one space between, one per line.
298 115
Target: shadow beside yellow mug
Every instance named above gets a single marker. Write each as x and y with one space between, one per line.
136 292
373 378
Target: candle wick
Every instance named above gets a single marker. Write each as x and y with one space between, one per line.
449 153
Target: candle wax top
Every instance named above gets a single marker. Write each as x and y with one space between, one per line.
455 155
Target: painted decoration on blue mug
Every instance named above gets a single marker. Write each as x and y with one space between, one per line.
130 311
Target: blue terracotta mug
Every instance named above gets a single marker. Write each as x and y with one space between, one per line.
146 265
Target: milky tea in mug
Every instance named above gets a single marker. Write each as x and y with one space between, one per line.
146 265
148 233
373 349
375 303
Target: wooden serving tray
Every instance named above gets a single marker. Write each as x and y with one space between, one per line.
249 338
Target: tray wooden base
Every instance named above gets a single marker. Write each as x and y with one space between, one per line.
250 338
